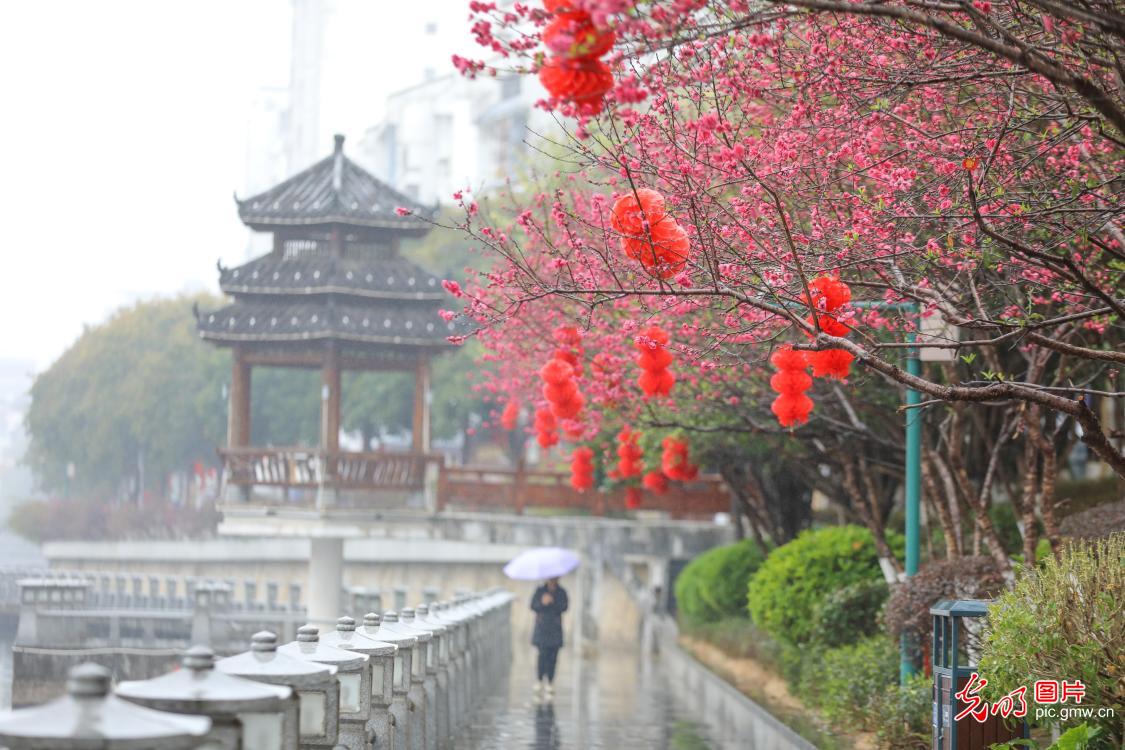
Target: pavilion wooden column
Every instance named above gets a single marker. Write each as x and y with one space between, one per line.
238 417
330 400
329 422
422 405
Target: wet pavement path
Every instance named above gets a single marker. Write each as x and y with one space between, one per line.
619 700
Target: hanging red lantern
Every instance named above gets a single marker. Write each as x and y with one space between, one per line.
558 6
632 497
790 382
792 409
831 363
560 390
631 211
655 482
648 234
666 254
788 358
509 418
574 36
829 293
829 325
582 468
570 347
583 82
674 462
629 453
653 359
547 428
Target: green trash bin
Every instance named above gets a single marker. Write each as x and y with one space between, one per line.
954 666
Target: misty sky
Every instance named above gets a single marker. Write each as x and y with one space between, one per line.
123 135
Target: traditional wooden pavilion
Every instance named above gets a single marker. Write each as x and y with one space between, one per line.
335 293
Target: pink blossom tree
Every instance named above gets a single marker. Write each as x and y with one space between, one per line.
956 162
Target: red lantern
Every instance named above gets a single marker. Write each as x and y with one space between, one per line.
583 82
582 468
830 325
655 482
648 234
674 462
556 372
546 427
574 36
510 416
788 358
791 381
653 359
558 6
831 363
560 390
570 351
630 212
629 453
829 293
791 409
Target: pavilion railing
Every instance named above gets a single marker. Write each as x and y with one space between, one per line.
307 468
499 489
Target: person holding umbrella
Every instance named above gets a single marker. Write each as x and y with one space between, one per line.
549 602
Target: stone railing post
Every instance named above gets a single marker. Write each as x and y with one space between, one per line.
408 618
402 699
353 673
211 600
419 688
243 713
318 692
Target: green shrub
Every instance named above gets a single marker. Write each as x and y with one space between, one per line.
790 586
1065 620
713 585
901 715
849 614
845 682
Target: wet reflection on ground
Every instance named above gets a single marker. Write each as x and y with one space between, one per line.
618 700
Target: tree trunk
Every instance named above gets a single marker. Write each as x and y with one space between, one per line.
941 509
1048 477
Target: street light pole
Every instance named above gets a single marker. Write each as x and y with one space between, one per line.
912 494
912 489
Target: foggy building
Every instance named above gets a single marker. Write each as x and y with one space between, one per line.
448 133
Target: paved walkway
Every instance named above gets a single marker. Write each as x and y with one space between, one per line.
619 701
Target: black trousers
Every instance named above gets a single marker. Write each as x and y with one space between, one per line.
548 656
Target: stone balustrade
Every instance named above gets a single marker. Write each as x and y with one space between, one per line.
405 680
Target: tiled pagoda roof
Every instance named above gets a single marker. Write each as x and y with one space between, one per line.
391 277
334 190
279 321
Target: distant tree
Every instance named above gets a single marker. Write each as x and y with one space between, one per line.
136 397
284 406
376 403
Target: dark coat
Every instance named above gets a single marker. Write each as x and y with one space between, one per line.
548 617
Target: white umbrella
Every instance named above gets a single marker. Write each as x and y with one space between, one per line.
540 563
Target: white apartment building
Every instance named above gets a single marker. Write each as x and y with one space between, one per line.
450 132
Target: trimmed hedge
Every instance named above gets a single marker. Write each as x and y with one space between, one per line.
789 588
713 585
850 614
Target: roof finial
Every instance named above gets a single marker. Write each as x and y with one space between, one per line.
338 165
